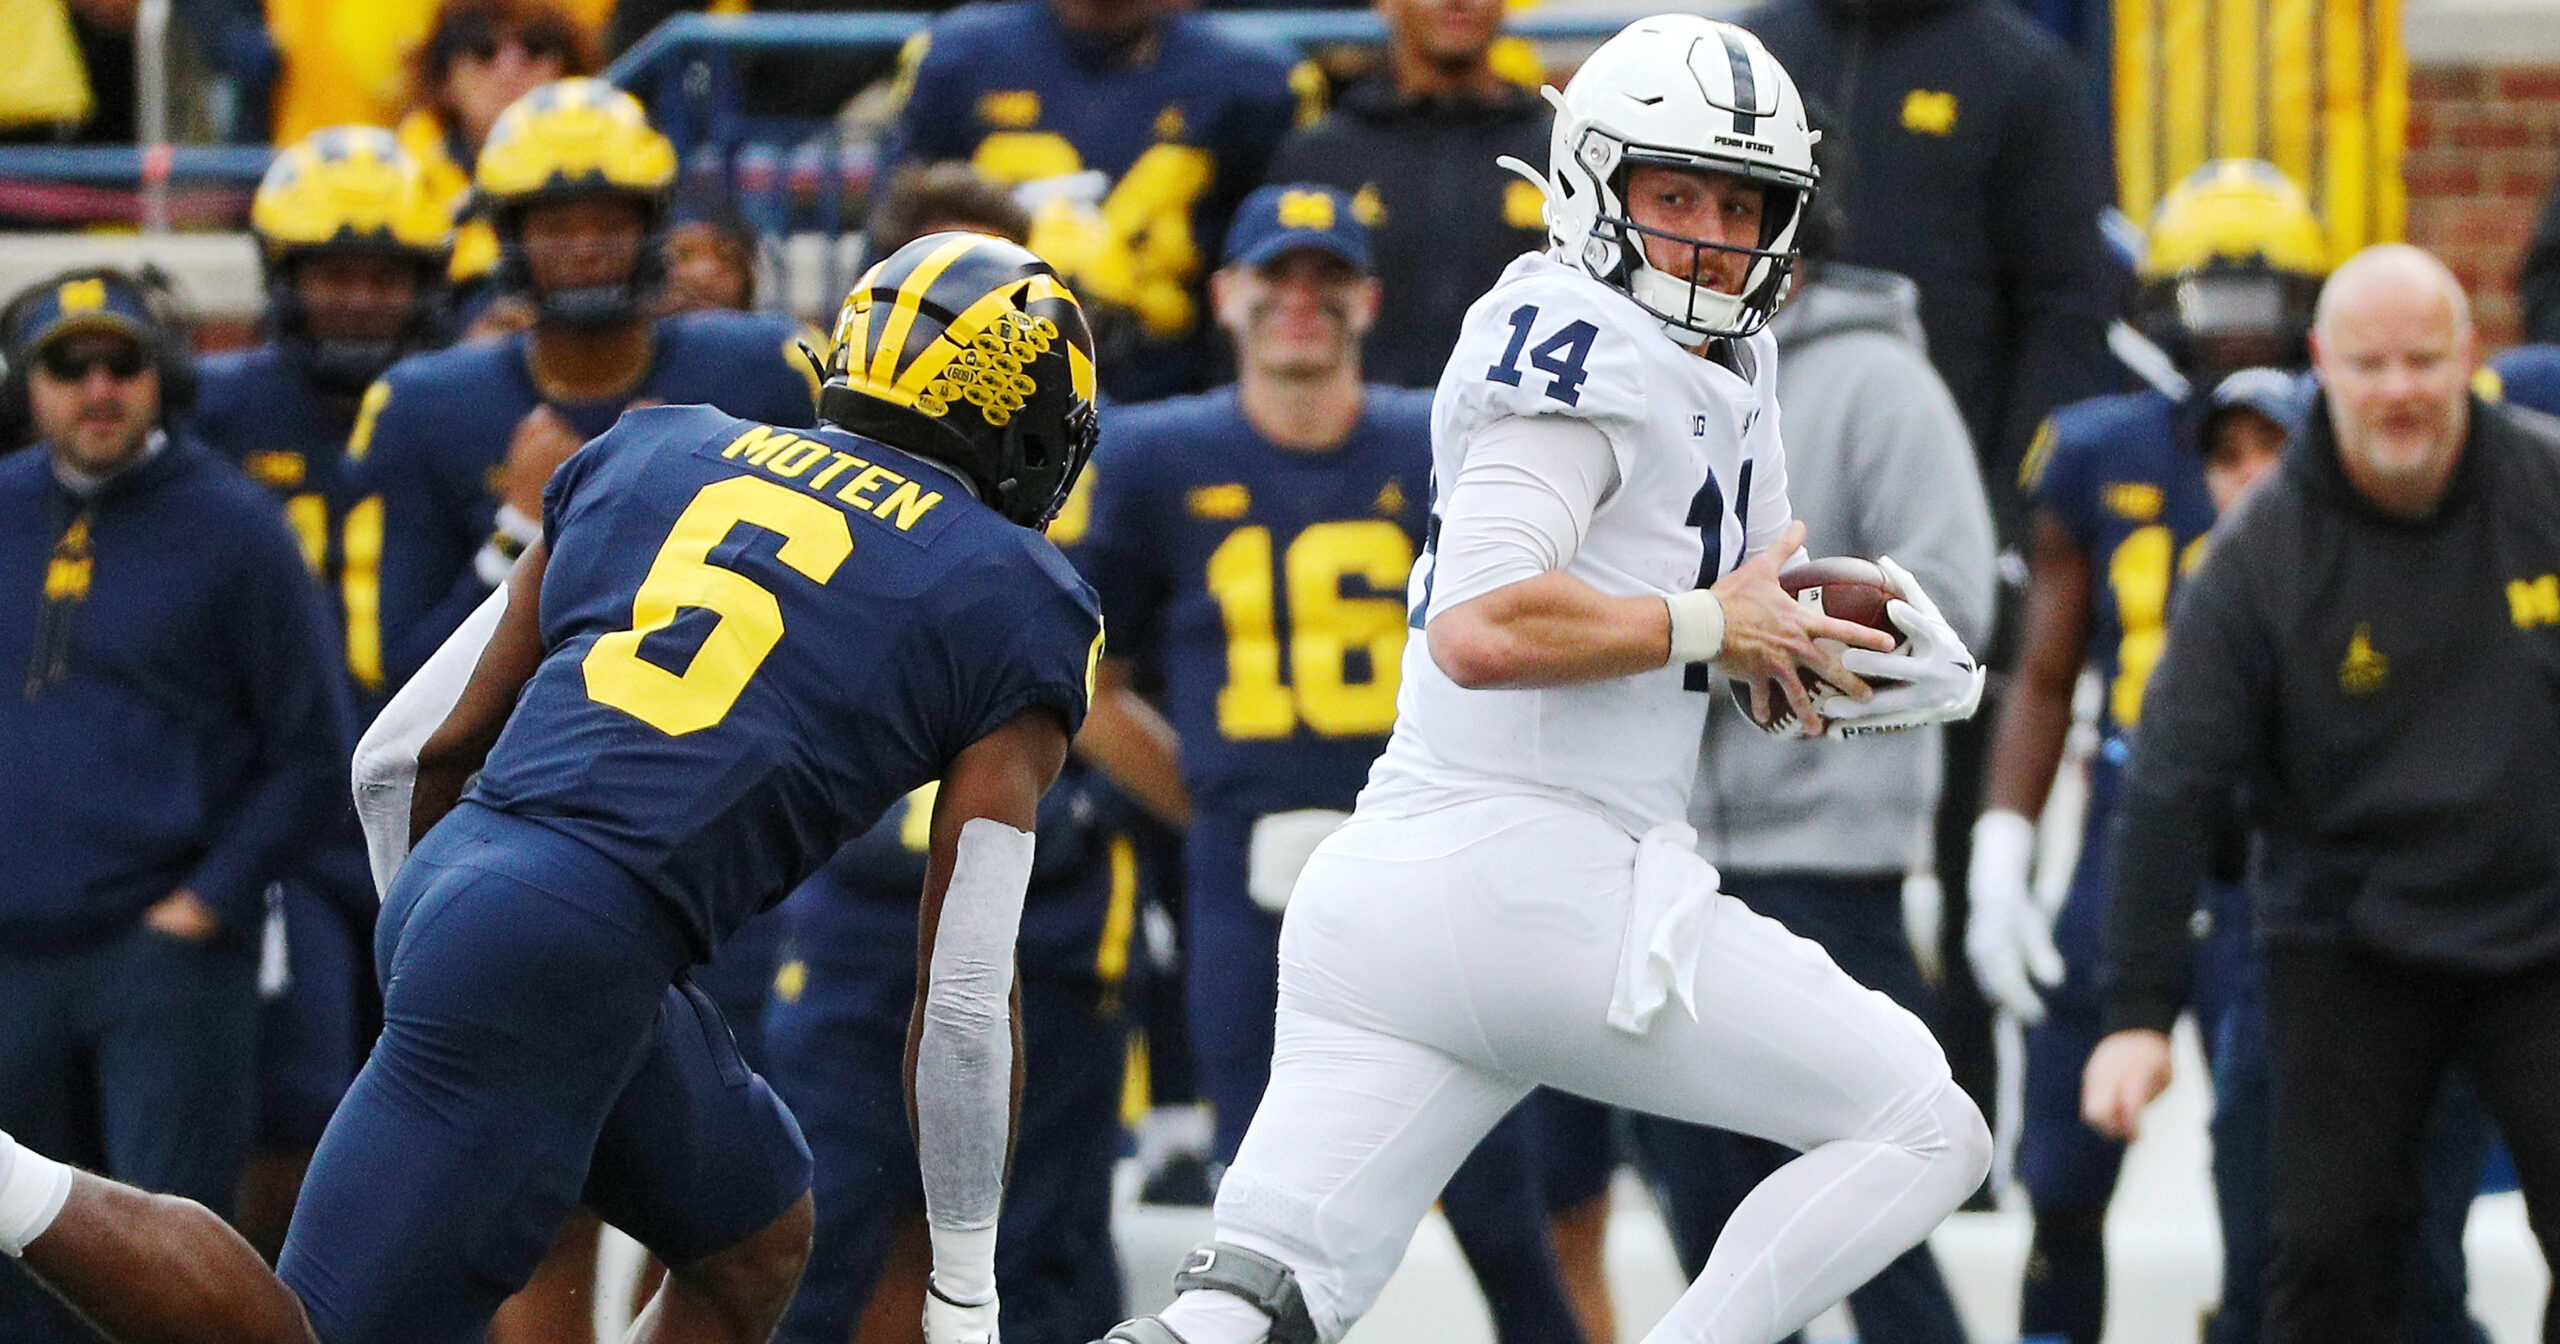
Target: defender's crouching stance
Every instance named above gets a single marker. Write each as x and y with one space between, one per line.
733 649
1517 899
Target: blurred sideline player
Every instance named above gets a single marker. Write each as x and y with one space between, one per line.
836 1035
457 444
837 1026
733 648
2127 488
1256 540
1517 898
352 245
1132 129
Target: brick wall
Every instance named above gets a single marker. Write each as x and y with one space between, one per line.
2484 145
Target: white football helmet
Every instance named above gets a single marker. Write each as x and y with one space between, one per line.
1687 92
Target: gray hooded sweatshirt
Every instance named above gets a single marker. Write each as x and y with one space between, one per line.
1878 463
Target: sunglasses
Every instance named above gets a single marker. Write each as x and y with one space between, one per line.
70 364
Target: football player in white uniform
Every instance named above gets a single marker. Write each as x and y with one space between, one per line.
1518 899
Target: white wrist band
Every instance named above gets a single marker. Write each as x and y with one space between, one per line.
1697 625
33 1189
964 1264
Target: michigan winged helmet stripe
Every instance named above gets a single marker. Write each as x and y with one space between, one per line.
970 350
881 348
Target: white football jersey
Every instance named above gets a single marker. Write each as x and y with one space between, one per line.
1702 484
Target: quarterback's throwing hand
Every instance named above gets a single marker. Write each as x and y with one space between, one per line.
1935 679
1770 638
949 1322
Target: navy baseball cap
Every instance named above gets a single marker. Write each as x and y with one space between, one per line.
2280 395
1283 218
86 303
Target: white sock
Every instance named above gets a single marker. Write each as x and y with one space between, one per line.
33 1189
1208 1316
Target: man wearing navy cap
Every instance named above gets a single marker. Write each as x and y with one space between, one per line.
1255 540
177 739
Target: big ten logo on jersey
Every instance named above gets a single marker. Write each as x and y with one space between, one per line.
1127 244
1290 602
2140 572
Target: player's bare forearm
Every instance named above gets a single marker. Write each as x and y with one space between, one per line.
156 1269
2035 717
1553 630
461 745
1132 743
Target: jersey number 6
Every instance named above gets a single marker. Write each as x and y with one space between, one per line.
815 541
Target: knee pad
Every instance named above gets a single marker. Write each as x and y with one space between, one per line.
1257 1278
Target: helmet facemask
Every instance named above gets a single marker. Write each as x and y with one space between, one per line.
346 365
1690 303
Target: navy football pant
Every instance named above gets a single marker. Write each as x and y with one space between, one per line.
1494 1204
739 980
838 1049
537 1053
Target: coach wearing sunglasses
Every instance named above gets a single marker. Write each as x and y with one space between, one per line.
174 735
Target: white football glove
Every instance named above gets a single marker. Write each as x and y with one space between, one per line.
1932 677
2009 936
949 1322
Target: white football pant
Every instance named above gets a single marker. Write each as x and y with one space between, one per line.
1433 969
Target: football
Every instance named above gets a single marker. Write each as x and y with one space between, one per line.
1844 587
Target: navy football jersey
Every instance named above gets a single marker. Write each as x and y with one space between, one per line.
2119 473
432 434
255 408
1143 160
1268 583
1077 919
2527 375
757 641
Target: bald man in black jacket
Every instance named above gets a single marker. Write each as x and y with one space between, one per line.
2372 650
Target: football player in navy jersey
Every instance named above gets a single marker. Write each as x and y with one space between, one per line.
1136 127
1257 539
733 648
353 244
836 1029
457 444
836 1035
